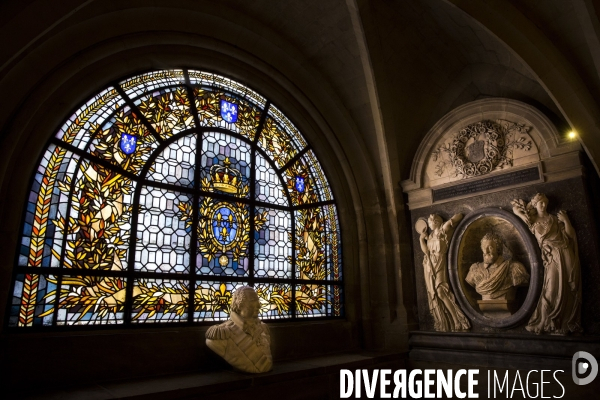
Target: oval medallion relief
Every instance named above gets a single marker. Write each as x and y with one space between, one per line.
494 268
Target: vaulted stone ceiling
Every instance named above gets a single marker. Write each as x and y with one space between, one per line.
427 56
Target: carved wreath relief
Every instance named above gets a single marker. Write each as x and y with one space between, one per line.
481 148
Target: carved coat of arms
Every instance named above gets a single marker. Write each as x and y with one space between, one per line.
481 148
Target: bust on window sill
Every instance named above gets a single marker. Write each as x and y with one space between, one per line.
243 341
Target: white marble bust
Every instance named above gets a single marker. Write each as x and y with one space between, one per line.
243 341
495 277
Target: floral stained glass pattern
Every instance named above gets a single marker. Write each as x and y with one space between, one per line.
332 243
167 110
290 129
107 142
98 223
318 300
170 182
32 300
215 110
306 182
160 300
46 200
311 257
209 79
213 300
90 300
80 128
276 143
275 300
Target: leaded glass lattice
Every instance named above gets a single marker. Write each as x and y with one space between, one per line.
177 163
172 182
163 239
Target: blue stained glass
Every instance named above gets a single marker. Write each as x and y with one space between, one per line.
224 225
128 143
231 173
300 184
229 111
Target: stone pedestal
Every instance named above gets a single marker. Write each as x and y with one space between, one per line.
499 308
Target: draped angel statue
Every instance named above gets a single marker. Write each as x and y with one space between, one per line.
559 307
447 315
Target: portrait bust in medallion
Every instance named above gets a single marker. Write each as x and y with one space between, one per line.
496 278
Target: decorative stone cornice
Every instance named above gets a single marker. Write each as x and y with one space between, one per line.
484 138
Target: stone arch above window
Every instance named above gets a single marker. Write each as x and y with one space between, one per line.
165 192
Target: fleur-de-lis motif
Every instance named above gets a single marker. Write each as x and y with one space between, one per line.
229 111
128 143
300 184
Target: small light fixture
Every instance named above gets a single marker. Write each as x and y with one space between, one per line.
572 135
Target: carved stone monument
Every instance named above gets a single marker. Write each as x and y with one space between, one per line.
559 308
496 278
446 313
243 341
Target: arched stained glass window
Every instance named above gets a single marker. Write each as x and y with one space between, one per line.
165 192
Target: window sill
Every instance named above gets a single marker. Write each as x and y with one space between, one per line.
307 378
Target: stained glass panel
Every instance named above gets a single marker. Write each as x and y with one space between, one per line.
333 249
32 300
273 245
98 226
223 238
310 244
107 141
208 79
160 300
151 81
246 218
306 182
290 128
212 300
211 112
48 198
167 110
277 143
176 164
85 121
269 187
91 300
163 236
275 300
318 300
319 179
225 164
